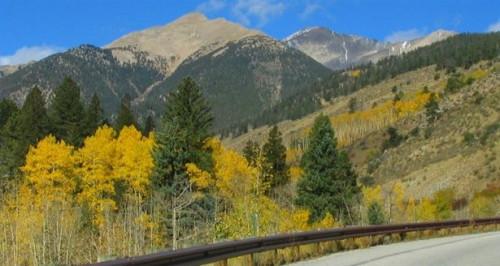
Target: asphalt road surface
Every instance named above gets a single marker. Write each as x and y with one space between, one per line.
475 250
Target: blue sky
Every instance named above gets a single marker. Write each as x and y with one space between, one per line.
32 29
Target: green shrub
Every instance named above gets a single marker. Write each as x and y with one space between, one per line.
375 214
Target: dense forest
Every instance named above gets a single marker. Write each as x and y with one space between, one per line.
462 50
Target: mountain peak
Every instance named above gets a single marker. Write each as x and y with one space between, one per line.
192 17
183 37
441 33
299 33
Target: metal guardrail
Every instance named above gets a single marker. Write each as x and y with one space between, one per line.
221 251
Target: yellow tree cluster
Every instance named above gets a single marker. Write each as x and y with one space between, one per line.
75 205
401 207
350 127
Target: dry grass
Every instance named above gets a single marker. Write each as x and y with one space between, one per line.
304 252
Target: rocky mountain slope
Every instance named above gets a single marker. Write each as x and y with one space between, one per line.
178 40
339 51
9 69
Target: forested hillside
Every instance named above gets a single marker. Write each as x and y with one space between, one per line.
458 51
244 78
94 69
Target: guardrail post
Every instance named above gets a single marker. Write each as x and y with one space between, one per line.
224 262
402 236
252 259
297 252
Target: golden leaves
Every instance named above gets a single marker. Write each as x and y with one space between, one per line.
233 175
201 179
49 170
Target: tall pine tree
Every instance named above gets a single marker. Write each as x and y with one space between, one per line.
67 114
251 152
186 126
185 129
125 116
149 126
329 181
26 127
7 109
93 116
275 168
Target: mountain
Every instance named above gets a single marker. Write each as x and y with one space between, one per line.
340 51
9 69
245 77
96 70
332 49
242 72
180 39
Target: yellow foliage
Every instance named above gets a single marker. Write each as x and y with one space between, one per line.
477 74
426 210
398 194
49 171
327 222
233 175
294 221
295 173
352 126
201 179
249 216
411 210
371 195
482 207
107 161
355 73
292 156
134 162
97 159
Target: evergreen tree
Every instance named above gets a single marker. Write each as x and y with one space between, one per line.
329 181
93 116
181 139
352 105
275 169
432 109
7 109
251 152
26 127
185 128
149 126
375 214
394 139
125 116
67 114
191 111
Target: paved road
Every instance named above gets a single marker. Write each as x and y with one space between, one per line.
475 250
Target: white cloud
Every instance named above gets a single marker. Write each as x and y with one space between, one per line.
404 35
309 9
494 27
260 10
211 6
27 54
